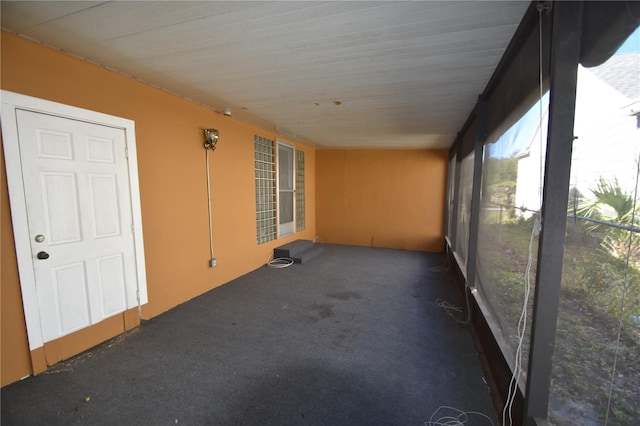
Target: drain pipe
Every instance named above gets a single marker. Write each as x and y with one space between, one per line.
211 139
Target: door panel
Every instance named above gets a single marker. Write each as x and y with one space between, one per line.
111 276
52 144
69 284
61 210
104 197
76 186
100 150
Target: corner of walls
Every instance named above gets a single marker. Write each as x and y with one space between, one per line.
382 198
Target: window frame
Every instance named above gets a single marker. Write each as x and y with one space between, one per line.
267 189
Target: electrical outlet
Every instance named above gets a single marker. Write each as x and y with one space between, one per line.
213 262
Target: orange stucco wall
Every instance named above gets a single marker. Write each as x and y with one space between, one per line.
382 198
14 355
171 163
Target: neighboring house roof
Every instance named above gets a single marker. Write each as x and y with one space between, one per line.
621 72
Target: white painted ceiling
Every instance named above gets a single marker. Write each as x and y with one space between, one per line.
336 74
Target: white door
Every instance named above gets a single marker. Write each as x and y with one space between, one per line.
75 183
286 189
79 211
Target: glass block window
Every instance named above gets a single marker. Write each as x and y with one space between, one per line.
300 223
265 174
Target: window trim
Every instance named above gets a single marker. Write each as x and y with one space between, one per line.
273 190
289 228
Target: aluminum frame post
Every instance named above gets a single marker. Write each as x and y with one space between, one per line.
565 52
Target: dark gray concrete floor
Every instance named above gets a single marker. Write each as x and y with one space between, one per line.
352 337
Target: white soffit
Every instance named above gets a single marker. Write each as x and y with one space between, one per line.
359 74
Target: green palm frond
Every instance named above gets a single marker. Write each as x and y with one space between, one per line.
610 193
612 204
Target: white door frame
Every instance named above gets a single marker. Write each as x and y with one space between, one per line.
282 231
11 102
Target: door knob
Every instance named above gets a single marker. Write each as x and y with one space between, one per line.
42 255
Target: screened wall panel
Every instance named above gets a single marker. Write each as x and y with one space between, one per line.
595 370
512 95
464 210
450 196
596 365
466 160
512 170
